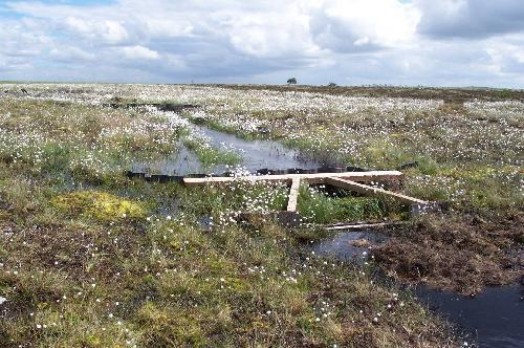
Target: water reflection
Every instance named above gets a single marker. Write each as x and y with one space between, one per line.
256 154
494 318
349 246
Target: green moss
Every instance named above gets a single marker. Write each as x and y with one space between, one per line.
99 205
166 327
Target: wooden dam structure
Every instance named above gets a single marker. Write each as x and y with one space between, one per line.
353 181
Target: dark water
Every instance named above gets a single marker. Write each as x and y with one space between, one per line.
257 154
494 318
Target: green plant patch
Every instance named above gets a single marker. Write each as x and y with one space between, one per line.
210 156
99 205
318 207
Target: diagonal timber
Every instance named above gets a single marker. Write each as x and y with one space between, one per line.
370 190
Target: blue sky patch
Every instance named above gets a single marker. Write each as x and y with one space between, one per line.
78 2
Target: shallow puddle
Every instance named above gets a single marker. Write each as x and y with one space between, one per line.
259 154
348 245
185 162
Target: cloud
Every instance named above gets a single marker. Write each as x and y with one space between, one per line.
139 53
106 31
19 40
71 54
317 41
507 58
276 35
361 25
470 18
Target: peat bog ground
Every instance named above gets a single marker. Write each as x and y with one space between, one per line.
90 257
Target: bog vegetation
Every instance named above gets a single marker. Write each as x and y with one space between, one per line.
91 258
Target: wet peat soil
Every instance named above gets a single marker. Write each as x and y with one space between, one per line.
462 254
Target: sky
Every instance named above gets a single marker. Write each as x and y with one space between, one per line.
454 43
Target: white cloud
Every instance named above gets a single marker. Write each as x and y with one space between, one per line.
168 28
271 34
139 52
356 25
107 31
17 41
71 54
507 58
445 42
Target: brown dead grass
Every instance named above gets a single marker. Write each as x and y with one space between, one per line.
462 254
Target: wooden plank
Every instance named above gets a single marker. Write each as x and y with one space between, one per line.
310 178
293 195
369 190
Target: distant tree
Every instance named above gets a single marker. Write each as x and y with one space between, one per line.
292 81
332 84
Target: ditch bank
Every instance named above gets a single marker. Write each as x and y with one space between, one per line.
493 318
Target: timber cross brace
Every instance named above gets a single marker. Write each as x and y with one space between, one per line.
352 181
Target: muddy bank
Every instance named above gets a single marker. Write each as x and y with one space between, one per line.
462 254
493 318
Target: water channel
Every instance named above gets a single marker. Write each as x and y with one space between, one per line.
255 154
